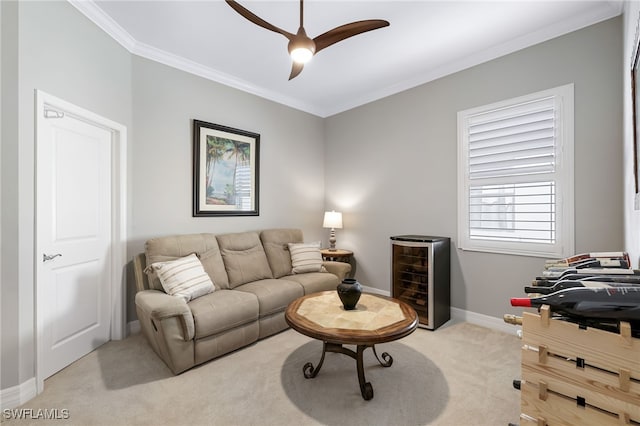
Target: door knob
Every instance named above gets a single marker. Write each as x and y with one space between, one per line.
46 257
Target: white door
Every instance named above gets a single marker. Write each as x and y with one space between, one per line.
73 237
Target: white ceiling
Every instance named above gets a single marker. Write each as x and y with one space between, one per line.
426 40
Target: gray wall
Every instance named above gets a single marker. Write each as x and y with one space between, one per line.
165 101
62 53
50 46
9 199
391 164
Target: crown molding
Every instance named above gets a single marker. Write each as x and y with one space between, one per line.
112 28
613 9
95 14
195 68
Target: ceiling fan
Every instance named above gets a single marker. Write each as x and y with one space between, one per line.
301 47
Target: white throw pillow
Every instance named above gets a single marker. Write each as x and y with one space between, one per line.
184 277
305 257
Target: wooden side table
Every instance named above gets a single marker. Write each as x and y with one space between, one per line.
340 255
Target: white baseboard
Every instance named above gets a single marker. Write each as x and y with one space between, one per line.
458 314
17 395
483 320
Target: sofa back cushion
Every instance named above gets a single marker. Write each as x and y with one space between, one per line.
244 258
275 243
205 246
184 277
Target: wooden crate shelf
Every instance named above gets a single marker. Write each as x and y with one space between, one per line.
575 376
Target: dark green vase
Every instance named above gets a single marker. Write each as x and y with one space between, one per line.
349 291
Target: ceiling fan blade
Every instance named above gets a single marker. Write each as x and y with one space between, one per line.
348 30
296 68
257 20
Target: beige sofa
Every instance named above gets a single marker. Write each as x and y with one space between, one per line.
253 280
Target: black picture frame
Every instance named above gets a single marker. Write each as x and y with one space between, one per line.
226 171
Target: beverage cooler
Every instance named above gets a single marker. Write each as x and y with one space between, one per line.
420 276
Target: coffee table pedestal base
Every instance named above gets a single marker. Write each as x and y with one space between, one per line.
365 387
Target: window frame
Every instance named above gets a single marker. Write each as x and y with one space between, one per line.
563 177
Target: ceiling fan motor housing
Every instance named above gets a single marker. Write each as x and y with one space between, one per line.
302 41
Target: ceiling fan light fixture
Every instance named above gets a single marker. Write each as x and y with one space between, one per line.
302 49
301 55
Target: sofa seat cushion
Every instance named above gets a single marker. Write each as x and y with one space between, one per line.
223 310
273 295
313 282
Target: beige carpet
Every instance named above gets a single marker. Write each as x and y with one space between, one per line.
460 374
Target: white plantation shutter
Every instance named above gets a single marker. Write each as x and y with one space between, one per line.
516 175
513 141
513 212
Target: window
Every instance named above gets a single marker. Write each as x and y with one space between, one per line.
515 175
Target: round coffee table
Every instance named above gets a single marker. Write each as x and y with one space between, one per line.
376 319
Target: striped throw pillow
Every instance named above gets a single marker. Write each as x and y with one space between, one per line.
184 277
305 257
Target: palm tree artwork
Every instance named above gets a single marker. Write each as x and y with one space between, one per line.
228 176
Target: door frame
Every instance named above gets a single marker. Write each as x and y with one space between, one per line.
46 102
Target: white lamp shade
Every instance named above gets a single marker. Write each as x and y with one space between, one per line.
332 219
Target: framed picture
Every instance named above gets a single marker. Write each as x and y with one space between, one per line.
225 171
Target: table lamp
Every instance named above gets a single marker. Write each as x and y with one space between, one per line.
333 220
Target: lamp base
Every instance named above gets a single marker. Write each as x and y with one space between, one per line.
332 240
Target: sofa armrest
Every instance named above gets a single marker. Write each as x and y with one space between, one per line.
140 278
339 269
159 306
